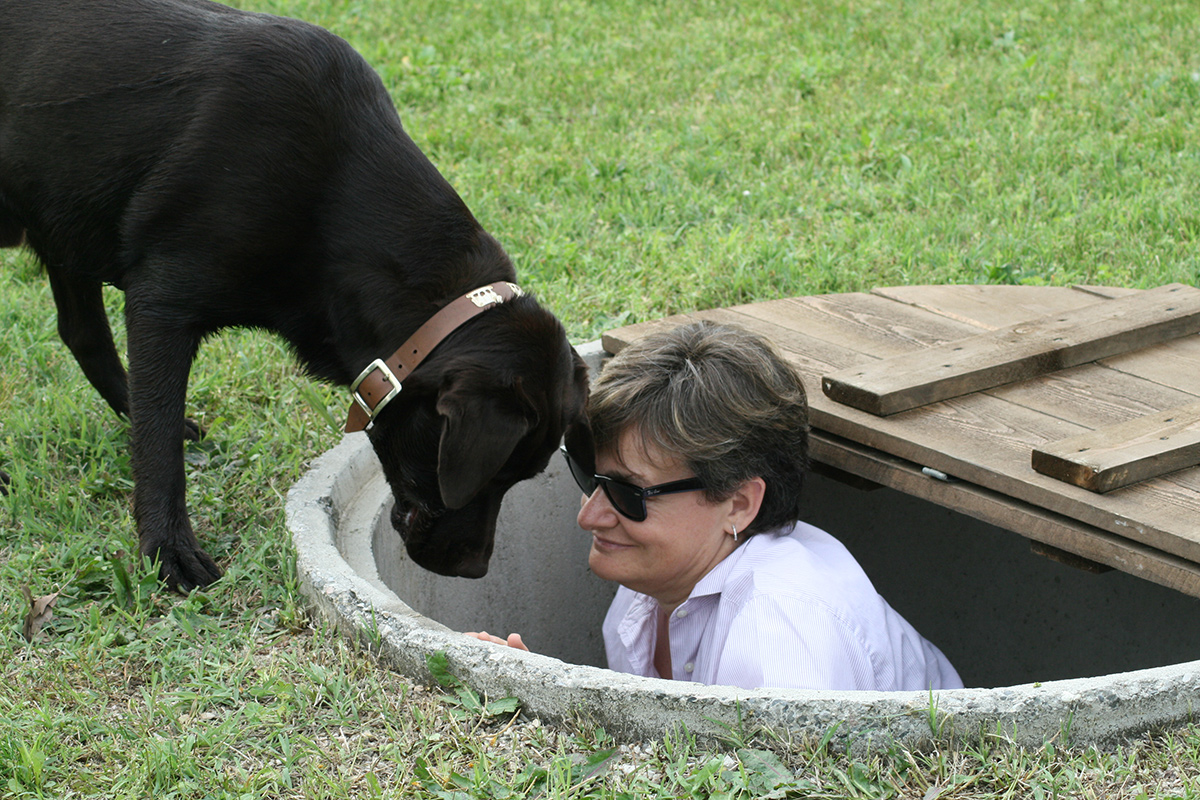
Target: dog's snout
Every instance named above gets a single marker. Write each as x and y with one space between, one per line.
472 566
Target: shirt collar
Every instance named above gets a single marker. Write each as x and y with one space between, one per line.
718 576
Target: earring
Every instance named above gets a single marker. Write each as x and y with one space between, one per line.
734 531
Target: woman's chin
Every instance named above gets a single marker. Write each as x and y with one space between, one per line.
605 559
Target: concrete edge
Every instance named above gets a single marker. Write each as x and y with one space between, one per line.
1101 710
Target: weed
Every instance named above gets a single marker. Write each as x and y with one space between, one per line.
465 701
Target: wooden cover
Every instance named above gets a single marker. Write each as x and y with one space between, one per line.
984 440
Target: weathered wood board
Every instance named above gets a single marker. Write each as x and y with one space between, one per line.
1018 352
1033 523
1118 455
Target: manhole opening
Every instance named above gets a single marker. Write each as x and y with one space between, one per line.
1108 656
1002 614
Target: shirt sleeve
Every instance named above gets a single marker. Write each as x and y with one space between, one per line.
793 643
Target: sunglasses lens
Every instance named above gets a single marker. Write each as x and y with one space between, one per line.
625 499
586 481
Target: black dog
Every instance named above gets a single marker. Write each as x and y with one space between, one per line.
224 168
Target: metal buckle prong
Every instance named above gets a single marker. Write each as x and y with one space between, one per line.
388 375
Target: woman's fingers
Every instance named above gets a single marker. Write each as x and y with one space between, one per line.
513 640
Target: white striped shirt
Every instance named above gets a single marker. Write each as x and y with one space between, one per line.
787 609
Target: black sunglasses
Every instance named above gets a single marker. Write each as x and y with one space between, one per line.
627 499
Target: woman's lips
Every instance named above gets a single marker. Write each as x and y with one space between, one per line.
605 544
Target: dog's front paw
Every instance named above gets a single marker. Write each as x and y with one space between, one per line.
185 569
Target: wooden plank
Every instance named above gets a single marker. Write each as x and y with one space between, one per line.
1105 291
998 306
994 508
1103 393
990 307
616 340
1118 455
1019 351
1089 395
848 329
1171 363
1093 396
809 354
877 325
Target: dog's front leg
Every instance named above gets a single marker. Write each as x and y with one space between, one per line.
83 326
161 350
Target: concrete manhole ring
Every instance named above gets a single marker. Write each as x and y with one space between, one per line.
337 514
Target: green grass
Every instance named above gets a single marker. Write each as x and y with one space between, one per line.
637 159
642 158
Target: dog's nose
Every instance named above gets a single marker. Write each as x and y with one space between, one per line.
471 567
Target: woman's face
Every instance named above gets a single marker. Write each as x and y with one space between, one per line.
682 538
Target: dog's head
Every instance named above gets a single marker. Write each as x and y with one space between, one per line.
487 409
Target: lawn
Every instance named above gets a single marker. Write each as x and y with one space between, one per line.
636 159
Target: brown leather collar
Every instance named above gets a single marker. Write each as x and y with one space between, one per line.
380 381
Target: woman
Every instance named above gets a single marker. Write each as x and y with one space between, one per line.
701 440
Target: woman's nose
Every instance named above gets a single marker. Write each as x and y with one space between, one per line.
596 511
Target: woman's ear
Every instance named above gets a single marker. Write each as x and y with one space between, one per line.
747 500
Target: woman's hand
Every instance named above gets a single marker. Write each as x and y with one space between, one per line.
513 640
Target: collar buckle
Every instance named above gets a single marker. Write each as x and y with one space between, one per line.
388 377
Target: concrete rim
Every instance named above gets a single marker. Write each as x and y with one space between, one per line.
340 494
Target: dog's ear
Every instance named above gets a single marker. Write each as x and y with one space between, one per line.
478 435
578 436
580 444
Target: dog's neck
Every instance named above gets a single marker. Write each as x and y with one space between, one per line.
381 380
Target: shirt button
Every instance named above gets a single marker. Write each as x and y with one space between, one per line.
681 613
688 667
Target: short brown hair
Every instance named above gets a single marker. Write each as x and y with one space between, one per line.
721 399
